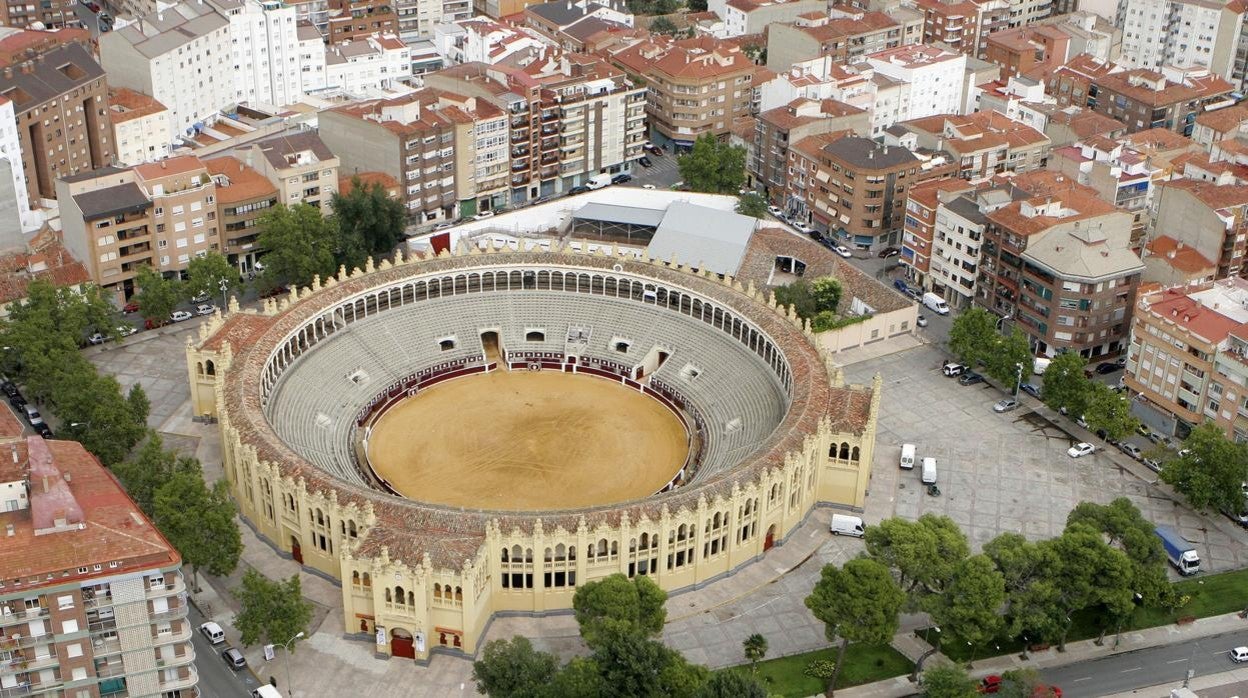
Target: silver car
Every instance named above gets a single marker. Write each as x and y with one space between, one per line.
1009 404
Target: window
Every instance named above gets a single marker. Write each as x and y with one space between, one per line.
69 626
73 650
446 344
535 336
63 602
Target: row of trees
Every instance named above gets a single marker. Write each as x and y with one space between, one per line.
816 301
975 341
158 295
619 621
1106 559
1210 470
713 166
953 681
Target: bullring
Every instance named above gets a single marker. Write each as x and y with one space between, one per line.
297 386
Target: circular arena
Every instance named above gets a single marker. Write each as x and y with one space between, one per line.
460 435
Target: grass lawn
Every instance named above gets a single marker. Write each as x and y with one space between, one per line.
863 664
1211 595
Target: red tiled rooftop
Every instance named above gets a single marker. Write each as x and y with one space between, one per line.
1182 257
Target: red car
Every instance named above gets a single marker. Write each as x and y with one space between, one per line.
131 307
992 684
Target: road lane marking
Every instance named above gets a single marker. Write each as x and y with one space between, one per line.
1176 661
1135 669
1086 678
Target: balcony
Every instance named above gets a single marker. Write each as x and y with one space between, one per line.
12 616
182 635
192 677
21 641
519 179
102 647
177 587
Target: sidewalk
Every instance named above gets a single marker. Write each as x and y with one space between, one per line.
1075 652
1227 684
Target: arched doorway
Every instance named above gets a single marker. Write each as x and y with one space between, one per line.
296 551
770 540
402 644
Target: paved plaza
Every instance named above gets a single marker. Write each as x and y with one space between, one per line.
997 473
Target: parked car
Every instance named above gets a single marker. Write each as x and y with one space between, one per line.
577 190
234 659
131 307
1008 404
921 321
43 430
989 684
1080 449
952 369
656 150
180 315
970 378
96 338
443 226
842 251
205 309
889 252
32 415
483 215
901 285
10 388
1239 519
1131 449
644 161
200 297
1031 389
775 211
802 227
1106 369
1152 464
622 178
648 186
213 632
1239 654
125 330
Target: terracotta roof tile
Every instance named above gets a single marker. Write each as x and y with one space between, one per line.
1185 258
126 105
244 183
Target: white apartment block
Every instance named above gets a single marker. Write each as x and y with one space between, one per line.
752 16
367 68
1184 33
935 79
484 40
10 151
265 50
1025 12
311 58
142 131
181 57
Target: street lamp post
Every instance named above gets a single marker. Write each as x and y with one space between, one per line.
224 284
1018 383
290 691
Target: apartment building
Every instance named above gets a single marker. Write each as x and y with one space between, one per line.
1028 51
1118 174
963 25
243 196
855 189
957 238
1059 264
743 17
1184 356
982 144
59 99
300 165
844 34
1208 217
919 231
354 19
566 23
484 40
695 86
368 67
570 117
14 197
264 51
421 18
1171 99
934 78
425 140
1184 33
1213 127
1169 262
141 126
181 57
1066 124
53 14
92 594
774 130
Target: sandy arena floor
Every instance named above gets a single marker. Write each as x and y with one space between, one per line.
527 440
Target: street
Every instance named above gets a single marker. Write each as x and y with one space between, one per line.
216 680
1161 665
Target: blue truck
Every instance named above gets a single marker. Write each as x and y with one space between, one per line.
1180 553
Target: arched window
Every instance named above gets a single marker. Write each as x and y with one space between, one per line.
853 455
844 455
355 577
459 595
209 368
199 368
389 597
411 598
367 580
437 592
351 531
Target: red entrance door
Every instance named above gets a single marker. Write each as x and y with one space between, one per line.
402 647
296 551
771 538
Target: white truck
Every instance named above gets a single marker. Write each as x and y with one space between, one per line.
1181 554
936 303
598 181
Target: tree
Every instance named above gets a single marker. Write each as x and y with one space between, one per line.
93 411
1020 683
663 25
696 5
136 400
1065 386
271 612
150 468
973 337
301 244
205 274
924 554
157 296
755 648
1010 359
1109 412
1024 567
579 678
713 166
858 602
1209 470
969 610
513 669
752 204
1125 528
199 522
731 684
369 212
810 298
617 603
826 292
1085 572
947 681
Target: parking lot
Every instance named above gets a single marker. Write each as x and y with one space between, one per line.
662 173
1007 472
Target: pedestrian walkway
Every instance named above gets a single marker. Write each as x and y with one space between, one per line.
1227 684
1083 650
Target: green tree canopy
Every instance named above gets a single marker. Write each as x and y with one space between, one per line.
969 610
368 212
205 274
752 204
199 522
272 611
617 603
149 468
973 337
923 554
579 678
663 25
810 298
1065 386
1125 528
1209 470
93 411
947 681
755 648
1011 359
1109 412
858 602
731 684
513 669
713 166
157 296
301 244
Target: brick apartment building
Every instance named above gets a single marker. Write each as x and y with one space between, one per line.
350 20
1141 99
844 35
243 196
1211 219
92 600
963 25
775 129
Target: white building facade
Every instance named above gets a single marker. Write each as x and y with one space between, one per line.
10 151
265 50
934 78
369 67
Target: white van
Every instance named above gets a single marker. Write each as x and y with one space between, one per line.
266 691
1040 365
598 181
845 525
213 632
907 456
936 303
929 471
